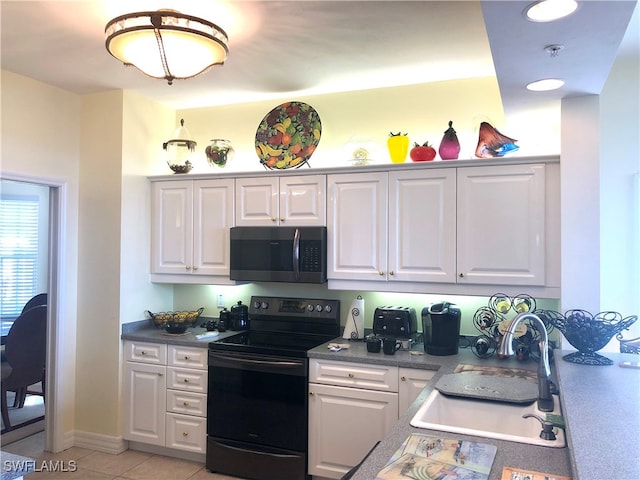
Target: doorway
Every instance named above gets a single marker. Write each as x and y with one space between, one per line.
50 195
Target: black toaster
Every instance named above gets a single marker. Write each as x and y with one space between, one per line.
398 322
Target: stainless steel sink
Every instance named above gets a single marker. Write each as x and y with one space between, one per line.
489 419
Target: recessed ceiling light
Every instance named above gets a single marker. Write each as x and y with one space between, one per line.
549 10
545 85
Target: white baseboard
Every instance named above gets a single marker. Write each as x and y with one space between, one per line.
99 442
168 452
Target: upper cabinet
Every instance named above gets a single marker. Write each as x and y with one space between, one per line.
501 225
396 226
190 222
464 230
287 200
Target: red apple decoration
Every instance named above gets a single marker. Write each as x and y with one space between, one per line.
422 153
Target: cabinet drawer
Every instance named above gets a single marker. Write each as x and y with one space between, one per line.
190 357
186 379
186 433
187 403
347 374
155 353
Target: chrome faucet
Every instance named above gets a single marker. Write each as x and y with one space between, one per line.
505 349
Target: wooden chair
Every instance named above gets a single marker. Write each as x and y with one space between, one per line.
25 351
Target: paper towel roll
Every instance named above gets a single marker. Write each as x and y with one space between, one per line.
354 321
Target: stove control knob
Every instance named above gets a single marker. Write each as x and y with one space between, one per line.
256 304
264 305
328 309
310 308
318 308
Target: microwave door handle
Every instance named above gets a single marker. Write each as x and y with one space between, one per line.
296 254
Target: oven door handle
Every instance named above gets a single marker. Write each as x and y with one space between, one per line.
258 364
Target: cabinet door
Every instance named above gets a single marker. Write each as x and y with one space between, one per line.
411 383
145 403
344 424
213 216
256 201
422 226
172 227
357 226
303 200
501 225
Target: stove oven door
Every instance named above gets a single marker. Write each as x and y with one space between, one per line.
257 415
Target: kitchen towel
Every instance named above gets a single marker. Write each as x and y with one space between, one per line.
354 323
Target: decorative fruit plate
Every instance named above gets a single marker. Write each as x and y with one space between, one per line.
288 135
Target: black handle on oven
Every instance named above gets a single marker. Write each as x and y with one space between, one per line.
254 450
257 363
296 253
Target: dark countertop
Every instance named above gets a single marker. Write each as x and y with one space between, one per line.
145 331
529 457
601 406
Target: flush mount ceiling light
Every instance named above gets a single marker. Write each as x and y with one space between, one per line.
166 44
549 10
545 85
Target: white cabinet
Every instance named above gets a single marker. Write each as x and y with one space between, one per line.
351 407
501 225
166 395
460 230
190 221
145 403
396 226
288 200
411 383
345 422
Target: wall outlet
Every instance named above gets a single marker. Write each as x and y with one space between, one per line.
220 301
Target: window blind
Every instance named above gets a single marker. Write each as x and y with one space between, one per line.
18 252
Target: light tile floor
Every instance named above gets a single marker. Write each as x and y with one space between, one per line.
92 465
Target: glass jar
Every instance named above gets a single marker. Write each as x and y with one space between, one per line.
179 150
219 152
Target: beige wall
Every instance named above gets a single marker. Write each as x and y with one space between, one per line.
40 134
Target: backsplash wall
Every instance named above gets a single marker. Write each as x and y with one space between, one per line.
190 297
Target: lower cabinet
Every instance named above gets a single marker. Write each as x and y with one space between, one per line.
165 400
351 407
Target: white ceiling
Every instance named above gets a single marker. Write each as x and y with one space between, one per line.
293 48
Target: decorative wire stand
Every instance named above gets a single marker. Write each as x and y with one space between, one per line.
589 333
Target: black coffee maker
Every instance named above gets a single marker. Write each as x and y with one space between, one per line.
441 328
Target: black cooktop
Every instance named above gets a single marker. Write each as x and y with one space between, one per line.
285 327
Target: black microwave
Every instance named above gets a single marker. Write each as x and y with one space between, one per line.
279 254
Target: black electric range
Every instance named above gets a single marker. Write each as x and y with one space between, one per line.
257 405
284 326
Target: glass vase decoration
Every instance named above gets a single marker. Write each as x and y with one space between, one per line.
398 146
449 146
179 150
219 152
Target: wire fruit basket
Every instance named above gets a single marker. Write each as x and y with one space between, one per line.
175 322
589 333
